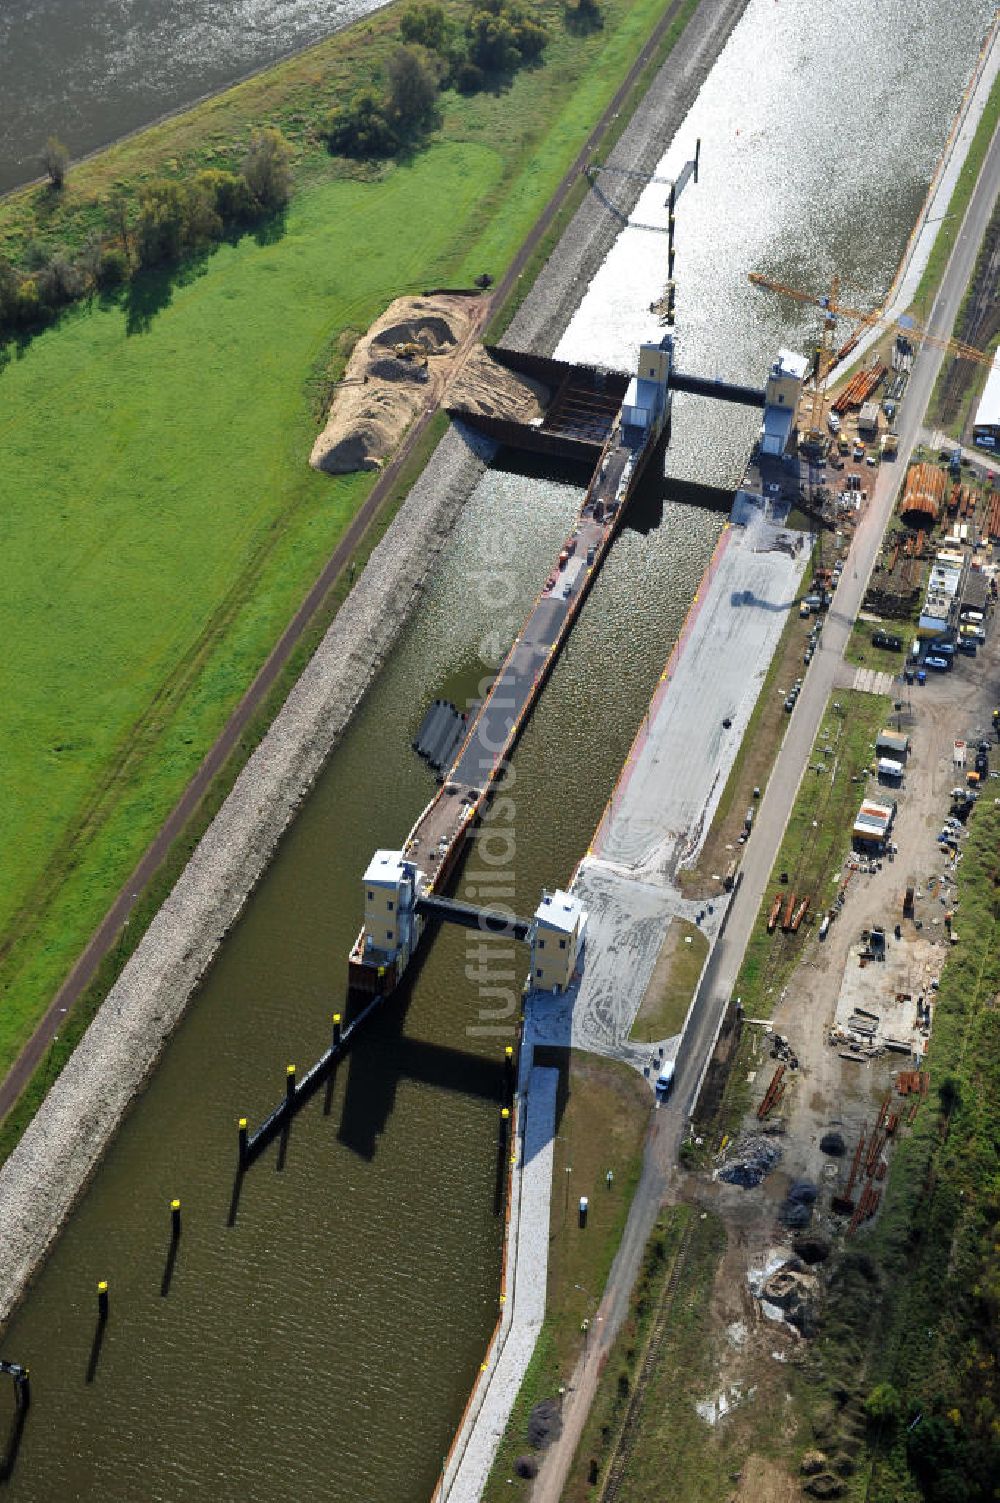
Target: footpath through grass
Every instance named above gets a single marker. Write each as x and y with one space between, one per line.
661 1366
603 1117
161 520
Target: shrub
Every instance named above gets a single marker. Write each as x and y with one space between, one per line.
361 129
414 80
266 169
55 160
112 268
427 26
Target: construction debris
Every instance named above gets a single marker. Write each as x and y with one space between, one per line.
754 1158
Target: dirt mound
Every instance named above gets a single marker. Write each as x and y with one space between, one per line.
392 368
382 392
485 386
434 332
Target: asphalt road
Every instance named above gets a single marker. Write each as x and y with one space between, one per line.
670 1121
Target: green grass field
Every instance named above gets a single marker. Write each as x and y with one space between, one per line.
161 520
672 984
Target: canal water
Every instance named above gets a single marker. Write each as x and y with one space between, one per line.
88 71
317 1333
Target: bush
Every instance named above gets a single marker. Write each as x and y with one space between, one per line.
414 80
60 282
883 1404
112 267
55 160
361 129
266 169
427 26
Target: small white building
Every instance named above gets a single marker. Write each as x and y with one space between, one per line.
392 925
647 398
781 399
986 425
557 935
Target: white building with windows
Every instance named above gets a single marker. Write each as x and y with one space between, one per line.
557 935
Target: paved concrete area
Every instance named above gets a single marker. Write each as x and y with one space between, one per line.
878 999
662 806
527 1264
670 787
871 682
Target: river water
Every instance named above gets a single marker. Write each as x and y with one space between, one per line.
323 1321
88 71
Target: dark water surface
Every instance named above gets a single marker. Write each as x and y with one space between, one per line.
323 1345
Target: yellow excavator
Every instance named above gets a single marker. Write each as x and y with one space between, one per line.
410 351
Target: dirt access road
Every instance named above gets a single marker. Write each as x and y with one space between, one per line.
669 1124
112 926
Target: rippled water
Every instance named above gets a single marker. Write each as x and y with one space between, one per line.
90 70
323 1346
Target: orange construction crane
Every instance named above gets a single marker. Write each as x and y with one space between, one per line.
832 308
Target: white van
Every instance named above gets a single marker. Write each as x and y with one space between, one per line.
665 1080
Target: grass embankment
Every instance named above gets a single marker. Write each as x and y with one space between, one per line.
161 520
668 995
661 1358
816 840
960 383
944 241
604 1115
912 1326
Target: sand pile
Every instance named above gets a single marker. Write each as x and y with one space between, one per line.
397 368
485 386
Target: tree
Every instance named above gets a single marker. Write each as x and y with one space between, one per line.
414 79
883 1403
59 282
361 129
120 214
266 168
162 229
426 25
55 160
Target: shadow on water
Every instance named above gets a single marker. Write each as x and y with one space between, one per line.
12 1445
171 1263
384 1056
96 1346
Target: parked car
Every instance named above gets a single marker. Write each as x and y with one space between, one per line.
940 665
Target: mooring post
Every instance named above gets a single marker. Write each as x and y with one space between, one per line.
508 1072
243 1142
336 1029
504 1126
175 1219
289 1084
102 1300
